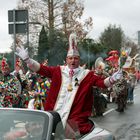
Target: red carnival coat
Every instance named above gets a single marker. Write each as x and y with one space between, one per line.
82 105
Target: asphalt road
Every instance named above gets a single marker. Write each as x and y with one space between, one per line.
124 125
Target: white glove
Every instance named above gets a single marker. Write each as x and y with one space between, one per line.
22 53
116 76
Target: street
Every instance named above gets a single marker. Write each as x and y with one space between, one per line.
124 125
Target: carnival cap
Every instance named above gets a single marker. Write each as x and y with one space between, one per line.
73 50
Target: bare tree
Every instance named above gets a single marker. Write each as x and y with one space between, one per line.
71 18
61 15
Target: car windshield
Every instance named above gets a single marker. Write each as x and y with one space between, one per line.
25 125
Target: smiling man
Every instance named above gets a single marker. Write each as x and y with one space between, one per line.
71 87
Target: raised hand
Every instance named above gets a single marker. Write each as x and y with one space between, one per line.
22 53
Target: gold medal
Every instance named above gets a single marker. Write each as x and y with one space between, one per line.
70 87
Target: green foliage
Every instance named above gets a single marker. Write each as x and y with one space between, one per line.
90 51
58 49
53 47
43 48
112 38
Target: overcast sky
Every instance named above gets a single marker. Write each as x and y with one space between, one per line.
123 13
5 38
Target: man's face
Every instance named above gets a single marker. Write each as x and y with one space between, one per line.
73 61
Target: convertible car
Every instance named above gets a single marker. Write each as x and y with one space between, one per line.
25 124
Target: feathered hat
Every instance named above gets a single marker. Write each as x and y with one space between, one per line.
73 50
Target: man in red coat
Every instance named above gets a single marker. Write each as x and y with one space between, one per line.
71 87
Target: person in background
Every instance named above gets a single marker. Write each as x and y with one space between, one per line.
71 88
120 90
137 73
131 85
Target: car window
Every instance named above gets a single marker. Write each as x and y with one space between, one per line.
25 125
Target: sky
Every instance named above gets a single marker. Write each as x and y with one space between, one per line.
5 37
122 13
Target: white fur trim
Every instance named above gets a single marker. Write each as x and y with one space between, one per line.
65 98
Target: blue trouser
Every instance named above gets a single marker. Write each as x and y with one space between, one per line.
130 93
